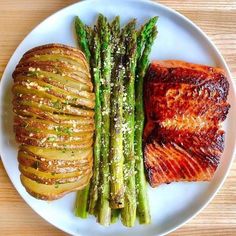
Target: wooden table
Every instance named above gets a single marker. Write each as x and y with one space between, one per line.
216 18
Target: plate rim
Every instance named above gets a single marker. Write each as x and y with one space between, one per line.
193 25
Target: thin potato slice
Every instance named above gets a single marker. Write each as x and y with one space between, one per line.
59 68
52 192
56 154
61 53
60 134
28 111
45 137
49 144
54 46
62 82
49 83
51 177
62 68
61 50
53 136
72 62
56 57
50 105
44 90
55 165
70 78
47 125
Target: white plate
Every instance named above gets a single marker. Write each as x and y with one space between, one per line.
171 205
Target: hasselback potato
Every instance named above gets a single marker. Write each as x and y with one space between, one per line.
53 104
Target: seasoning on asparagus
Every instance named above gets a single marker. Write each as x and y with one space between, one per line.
116 145
104 211
115 34
128 213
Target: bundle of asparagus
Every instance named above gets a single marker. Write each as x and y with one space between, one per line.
118 60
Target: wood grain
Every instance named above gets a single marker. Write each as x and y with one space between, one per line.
216 18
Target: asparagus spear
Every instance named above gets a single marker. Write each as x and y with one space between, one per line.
143 34
115 215
116 148
115 31
81 203
95 67
81 32
90 34
104 212
83 37
142 65
128 213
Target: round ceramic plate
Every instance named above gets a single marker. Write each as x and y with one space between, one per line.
171 205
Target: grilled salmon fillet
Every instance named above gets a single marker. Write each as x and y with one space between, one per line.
185 104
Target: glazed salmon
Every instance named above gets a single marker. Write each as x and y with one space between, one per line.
185 105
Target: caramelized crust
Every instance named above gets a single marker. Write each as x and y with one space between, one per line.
185 104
